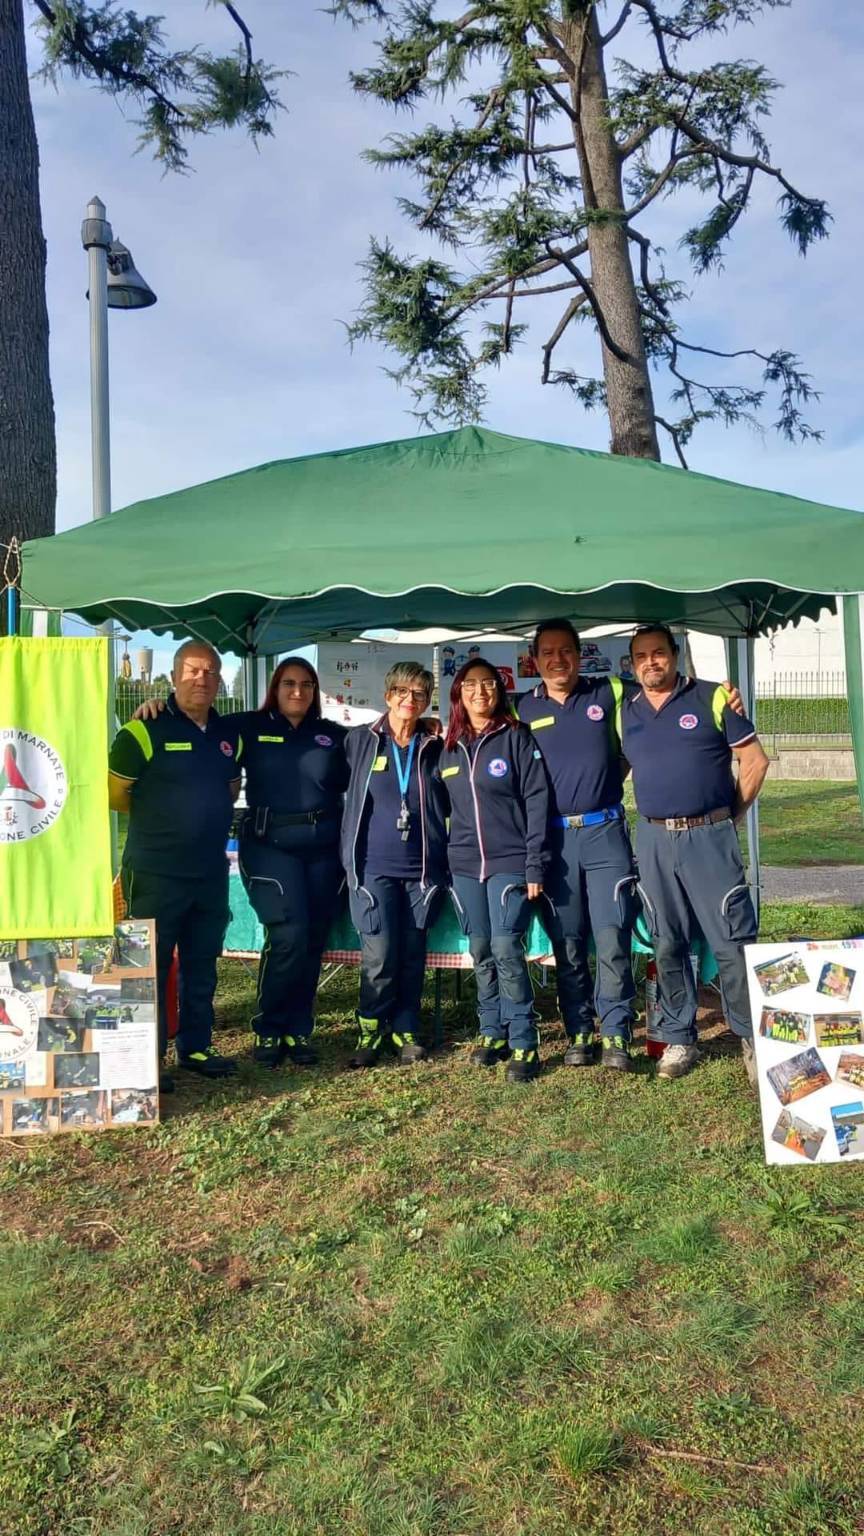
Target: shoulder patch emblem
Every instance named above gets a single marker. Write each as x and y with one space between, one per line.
595 712
688 722
226 747
324 741
497 768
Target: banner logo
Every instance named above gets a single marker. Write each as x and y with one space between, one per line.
33 785
19 1024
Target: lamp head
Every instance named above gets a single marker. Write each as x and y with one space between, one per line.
127 289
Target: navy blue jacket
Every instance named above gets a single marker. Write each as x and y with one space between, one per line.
363 745
499 804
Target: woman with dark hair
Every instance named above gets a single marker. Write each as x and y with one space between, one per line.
499 799
296 776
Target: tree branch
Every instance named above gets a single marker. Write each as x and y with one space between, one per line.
572 309
588 290
676 439
614 30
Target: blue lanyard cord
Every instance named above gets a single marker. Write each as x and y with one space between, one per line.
403 776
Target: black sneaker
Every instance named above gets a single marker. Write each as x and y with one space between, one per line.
369 1045
297 1049
208 1063
616 1053
267 1051
409 1048
489 1051
522 1066
166 1081
580 1052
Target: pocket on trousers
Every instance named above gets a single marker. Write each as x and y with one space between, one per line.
516 909
625 901
648 912
365 912
459 909
737 918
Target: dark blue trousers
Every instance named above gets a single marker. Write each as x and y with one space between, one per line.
495 914
191 915
688 881
391 917
294 894
588 889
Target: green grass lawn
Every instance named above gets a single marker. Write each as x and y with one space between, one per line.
806 823
423 1303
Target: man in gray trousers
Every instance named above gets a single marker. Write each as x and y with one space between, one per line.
679 736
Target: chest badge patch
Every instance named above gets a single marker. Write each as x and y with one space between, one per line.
324 741
497 768
688 722
594 712
226 747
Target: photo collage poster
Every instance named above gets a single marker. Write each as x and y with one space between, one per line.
808 1027
352 676
79 1045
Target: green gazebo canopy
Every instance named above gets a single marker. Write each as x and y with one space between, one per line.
470 529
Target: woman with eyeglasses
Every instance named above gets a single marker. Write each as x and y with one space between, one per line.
394 849
499 800
296 776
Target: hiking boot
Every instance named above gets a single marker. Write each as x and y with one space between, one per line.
208 1063
522 1066
678 1060
369 1044
580 1052
296 1048
748 1056
616 1053
409 1048
488 1051
267 1051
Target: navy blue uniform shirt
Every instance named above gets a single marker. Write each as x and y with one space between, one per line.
579 744
499 803
681 754
181 801
293 767
381 850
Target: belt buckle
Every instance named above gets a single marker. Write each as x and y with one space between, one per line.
574 822
676 823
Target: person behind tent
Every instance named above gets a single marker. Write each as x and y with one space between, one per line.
394 850
499 799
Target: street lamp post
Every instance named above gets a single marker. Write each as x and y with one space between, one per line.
114 283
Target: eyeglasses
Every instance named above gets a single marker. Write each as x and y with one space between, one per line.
486 685
419 695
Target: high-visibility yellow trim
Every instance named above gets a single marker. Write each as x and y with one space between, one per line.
537 725
239 753
617 687
719 700
138 729
379 765
280 739
178 746
447 773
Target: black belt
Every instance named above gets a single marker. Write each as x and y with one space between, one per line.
683 823
262 820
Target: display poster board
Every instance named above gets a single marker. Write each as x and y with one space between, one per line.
807 1001
79 1043
352 676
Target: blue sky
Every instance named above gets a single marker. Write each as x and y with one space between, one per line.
255 258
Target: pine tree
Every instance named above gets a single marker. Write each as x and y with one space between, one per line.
543 182
180 95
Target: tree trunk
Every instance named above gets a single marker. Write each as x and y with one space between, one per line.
28 466
628 384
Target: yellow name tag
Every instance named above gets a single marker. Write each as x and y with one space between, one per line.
447 773
280 739
379 765
178 746
537 725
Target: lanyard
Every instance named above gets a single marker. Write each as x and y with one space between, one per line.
403 776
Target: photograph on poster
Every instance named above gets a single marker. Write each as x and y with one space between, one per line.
799 1076
80 1110
849 1128
8 949
134 1106
62 949
835 981
132 946
834 1029
60 1035
77 1071
68 999
780 1024
798 1135
850 1069
11 1075
32 975
138 989
781 975
94 955
35 1116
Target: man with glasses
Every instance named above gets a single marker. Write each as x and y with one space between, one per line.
177 777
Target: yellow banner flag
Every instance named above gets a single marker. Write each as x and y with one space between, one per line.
55 847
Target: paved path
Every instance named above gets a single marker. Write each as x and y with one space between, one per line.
824 884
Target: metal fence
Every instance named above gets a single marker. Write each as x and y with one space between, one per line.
129 694
800 709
